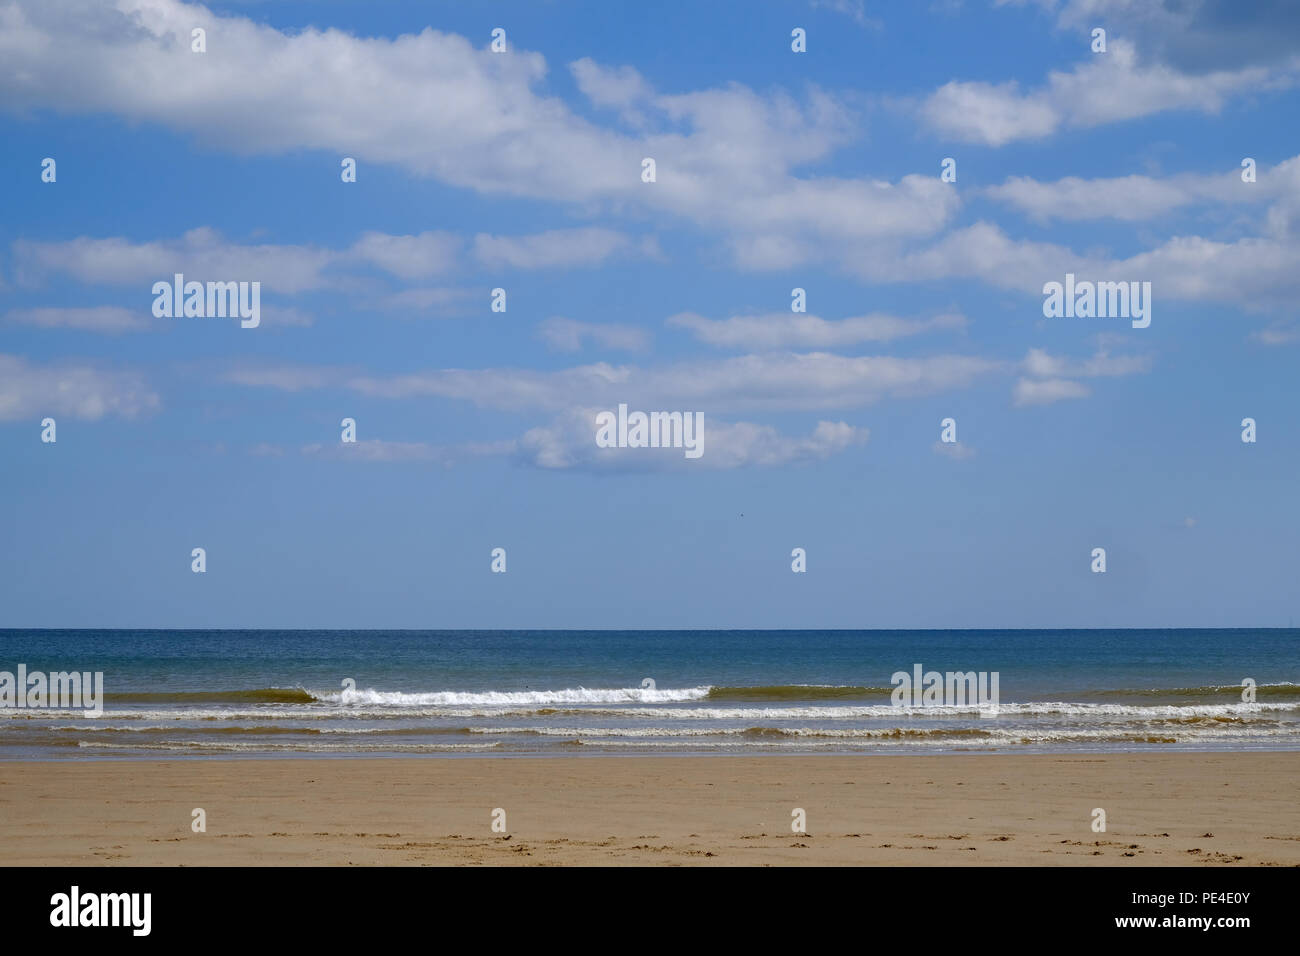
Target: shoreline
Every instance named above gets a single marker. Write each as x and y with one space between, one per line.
597 754
934 809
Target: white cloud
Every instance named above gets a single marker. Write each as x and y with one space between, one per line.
802 330
1279 333
98 318
1196 35
1140 198
557 249
438 106
568 335
1253 273
410 257
732 446
201 254
380 450
31 391
569 442
1052 377
616 87
431 102
1128 198
989 113
856 9
429 301
773 380
1106 88
1045 392
112 319
1040 364
375 450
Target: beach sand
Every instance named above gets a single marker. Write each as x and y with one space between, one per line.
953 809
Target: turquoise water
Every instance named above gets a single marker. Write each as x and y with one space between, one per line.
221 693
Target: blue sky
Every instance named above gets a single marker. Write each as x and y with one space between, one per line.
522 170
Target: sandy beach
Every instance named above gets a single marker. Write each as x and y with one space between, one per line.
1162 809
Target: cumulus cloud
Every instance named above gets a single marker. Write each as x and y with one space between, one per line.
98 318
802 330
1141 198
381 450
726 157
568 335
1053 378
1127 198
989 113
569 442
404 451
771 381
112 319
1196 35
409 257
1279 333
375 450
1040 364
1251 272
202 254
556 249
774 381
854 9
438 301
611 87
1047 391
1106 88
29 391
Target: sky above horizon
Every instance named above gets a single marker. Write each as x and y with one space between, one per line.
775 170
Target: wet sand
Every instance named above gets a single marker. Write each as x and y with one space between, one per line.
949 810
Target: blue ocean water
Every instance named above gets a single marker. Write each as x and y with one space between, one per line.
222 693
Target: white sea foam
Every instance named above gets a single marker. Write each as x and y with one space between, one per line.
541 698
1017 732
263 746
541 703
896 733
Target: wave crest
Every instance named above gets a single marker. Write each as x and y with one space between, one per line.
573 695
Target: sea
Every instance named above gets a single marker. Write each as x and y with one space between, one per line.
330 693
